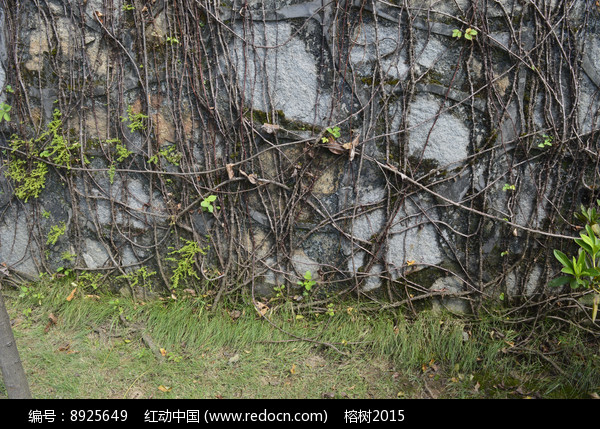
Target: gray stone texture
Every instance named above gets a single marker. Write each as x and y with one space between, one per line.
461 119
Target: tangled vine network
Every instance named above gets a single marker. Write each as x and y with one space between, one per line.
184 136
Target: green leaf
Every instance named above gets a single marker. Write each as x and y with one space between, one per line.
562 258
592 272
470 33
586 238
585 246
593 240
559 281
335 131
568 270
457 33
580 263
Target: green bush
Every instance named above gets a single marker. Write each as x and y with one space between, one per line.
582 270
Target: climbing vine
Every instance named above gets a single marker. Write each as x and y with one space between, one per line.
157 116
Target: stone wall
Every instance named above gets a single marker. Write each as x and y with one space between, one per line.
363 141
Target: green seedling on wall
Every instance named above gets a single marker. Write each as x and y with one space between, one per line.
207 204
58 149
56 231
29 177
470 33
27 166
121 153
547 141
508 187
333 132
307 283
4 109
112 169
169 153
137 121
139 277
185 259
279 291
120 150
67 256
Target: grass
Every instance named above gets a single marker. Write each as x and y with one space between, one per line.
105 346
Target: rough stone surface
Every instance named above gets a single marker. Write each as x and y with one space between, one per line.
413 239
451 285
445 129
436 134
17 250
373 43
284 79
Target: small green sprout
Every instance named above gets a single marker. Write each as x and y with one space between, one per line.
307 283
470 33
4 109
56 231
279 290
207 205
330 310
334 132
136 120
547 141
